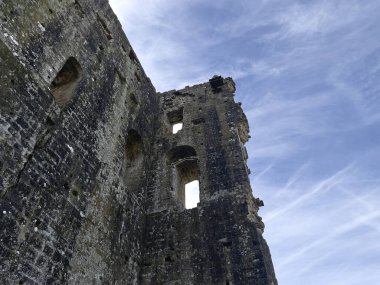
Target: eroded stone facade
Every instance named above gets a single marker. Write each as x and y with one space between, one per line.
91 175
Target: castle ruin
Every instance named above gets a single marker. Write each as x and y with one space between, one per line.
92 175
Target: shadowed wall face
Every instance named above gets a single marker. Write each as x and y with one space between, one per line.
76 109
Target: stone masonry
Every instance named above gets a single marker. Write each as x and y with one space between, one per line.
92 177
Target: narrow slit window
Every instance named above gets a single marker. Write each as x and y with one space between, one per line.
192 194
177 127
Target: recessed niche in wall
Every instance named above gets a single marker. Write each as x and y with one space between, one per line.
64 84
198 121
134 148
132 170
132 102
106 31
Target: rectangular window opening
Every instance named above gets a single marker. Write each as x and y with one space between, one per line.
177 127
175 120
191 194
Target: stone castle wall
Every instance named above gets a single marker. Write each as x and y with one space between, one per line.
91 175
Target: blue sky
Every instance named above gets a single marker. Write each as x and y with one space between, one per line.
308 75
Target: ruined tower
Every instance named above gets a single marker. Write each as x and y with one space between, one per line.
92 175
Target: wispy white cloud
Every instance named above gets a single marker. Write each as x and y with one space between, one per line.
318 17
331 223
153 37
324 185
332 234
294 178
281 123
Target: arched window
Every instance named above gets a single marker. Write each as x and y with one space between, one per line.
185 175
67 79
181 152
